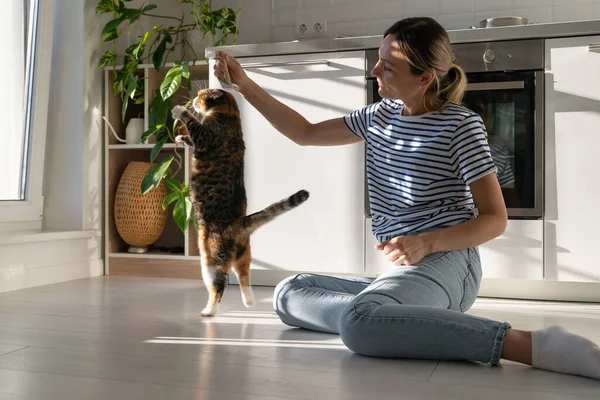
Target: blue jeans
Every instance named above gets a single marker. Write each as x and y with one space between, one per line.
408 312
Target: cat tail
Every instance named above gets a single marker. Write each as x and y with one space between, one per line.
254 221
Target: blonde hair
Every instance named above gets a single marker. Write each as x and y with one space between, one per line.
426 46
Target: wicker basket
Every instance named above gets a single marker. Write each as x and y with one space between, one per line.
140 219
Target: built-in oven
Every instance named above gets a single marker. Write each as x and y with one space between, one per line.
506 88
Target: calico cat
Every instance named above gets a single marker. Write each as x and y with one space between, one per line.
218 193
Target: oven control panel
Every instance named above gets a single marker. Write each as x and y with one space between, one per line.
500 56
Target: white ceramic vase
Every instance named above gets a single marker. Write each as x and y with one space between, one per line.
134 130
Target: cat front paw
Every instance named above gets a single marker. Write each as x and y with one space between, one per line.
178 111
183 140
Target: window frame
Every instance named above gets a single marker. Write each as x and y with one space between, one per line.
28 213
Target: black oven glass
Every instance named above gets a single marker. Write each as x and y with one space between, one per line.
506 104
509 117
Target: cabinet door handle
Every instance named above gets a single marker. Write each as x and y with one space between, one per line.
284 63
595 47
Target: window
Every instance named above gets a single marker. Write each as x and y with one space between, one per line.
25 71
19 31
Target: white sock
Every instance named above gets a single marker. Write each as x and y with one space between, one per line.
555 349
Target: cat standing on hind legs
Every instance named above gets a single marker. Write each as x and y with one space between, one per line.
218 193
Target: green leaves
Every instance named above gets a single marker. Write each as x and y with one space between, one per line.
173 184
130 93
127 83
159 53
155 175
171 197
110 31
108 58
172 81
160 116
106 6
226 22
170 84
210 22
139 50
112 35
158 146
112 25
149 7
160 119
182 211
133 14
150 132
161 170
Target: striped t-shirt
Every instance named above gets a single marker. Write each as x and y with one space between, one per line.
419 167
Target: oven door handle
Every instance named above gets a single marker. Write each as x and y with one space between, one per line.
495 85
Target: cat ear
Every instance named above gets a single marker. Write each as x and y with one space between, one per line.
215 93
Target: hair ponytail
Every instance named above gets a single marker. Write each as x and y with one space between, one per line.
449 88
454 85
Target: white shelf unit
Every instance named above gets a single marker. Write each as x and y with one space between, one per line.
160 261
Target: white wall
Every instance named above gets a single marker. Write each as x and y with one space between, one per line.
358 17
93 132
73 167
255 20
63 197
50 259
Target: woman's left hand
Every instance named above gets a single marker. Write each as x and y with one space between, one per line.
405 250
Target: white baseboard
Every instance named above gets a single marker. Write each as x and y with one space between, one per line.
48 275
498 288
540 290
26 264
20 226
36 236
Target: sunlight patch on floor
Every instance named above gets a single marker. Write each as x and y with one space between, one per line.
250 314
240 320
307 344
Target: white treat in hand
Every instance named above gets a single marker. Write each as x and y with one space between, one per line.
226 80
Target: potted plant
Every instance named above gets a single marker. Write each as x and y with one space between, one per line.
154 46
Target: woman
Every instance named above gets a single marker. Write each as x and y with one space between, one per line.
429 166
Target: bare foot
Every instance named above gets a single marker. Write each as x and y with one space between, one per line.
517 346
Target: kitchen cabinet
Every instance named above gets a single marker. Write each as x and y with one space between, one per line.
571 159
516 254
325 234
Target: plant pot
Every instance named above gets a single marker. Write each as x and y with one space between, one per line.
139 219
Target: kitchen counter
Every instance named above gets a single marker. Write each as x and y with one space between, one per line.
546 30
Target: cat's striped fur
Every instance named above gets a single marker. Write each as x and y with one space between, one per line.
218 193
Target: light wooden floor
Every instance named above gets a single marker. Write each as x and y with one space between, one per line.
141 338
